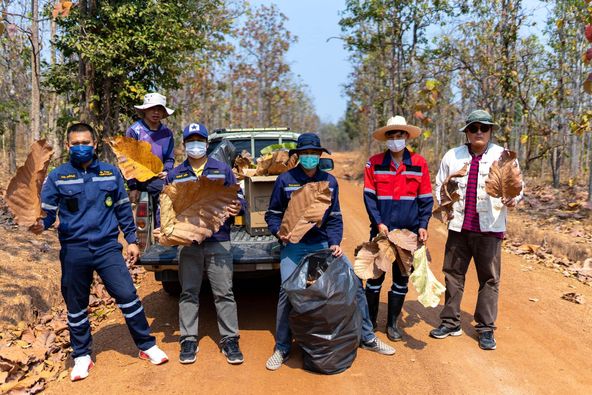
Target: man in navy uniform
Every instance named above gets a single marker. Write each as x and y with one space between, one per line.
90 199
212 256
328 235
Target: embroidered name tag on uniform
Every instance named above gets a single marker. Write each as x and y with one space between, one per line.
67 176
105 173
182 175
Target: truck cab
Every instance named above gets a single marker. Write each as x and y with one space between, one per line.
253 254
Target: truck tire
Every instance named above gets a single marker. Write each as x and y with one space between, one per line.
172 288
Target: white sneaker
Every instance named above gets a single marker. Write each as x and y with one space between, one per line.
81 367
154 355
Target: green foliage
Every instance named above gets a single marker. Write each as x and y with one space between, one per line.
122 49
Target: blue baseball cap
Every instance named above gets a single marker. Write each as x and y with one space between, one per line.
195 129
308 141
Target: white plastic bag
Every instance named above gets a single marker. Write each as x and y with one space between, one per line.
424 281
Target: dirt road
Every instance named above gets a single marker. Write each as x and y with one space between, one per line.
543 346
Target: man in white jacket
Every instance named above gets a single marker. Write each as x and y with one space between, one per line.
475 231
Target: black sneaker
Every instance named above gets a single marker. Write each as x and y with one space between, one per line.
188 350
232 352
442 332
487 341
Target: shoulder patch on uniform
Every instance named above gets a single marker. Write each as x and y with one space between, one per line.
368 164
105 173
67 176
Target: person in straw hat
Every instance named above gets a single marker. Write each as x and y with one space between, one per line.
149 128
475 231
397 195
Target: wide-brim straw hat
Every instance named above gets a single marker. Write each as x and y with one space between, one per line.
153 100
396 123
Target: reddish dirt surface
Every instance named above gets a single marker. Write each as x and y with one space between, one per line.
543 346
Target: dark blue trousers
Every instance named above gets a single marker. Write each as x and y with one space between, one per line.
78 264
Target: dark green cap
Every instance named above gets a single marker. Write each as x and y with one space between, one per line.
480 116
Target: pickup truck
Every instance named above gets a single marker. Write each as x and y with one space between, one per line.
252 254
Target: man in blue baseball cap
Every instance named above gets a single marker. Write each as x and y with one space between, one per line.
327 235
212 256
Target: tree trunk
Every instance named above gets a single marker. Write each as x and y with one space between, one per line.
35 72
12 147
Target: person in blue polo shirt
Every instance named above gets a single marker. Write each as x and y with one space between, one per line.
90 199
328 235
212 256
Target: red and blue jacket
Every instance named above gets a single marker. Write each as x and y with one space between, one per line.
331 229
398 197
214 170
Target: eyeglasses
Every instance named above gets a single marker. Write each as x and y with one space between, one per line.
475 127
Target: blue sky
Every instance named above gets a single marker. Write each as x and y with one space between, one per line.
323 65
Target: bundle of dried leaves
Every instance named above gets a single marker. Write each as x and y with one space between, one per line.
449 195
135 158
23 194
505 179
275 163
306 209
241 163
192 211
377 256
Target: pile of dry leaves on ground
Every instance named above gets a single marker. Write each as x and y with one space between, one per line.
34 352
553 227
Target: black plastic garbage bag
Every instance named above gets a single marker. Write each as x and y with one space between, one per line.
225 152
325 319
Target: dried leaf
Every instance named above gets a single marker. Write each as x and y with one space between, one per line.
194 210
364 264
406 244
135 158
449 195
505 179
387 253
573 297
306 209
23 192
242 162
14 354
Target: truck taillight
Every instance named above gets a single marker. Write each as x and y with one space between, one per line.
142 210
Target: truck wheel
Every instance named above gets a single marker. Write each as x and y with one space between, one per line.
172 288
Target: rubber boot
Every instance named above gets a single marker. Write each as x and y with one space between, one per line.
373 299
395 305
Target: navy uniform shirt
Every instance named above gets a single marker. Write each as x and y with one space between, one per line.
92 204
214 170
331 229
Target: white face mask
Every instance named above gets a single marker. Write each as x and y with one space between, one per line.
196 149
395 145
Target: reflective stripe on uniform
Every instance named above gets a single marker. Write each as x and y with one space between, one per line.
69 182
74 315
122 201
385 172
46 206
424 195
110 178
412 173
185 179
216 176
78 323
335 214
275 211
288 189
369 190
130 315
123 306
407 198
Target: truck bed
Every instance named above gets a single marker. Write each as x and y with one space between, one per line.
250 253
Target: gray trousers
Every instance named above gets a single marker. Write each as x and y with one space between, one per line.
485 250
215 259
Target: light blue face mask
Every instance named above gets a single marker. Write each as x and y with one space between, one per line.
309 162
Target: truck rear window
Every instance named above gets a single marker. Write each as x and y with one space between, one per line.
246 145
